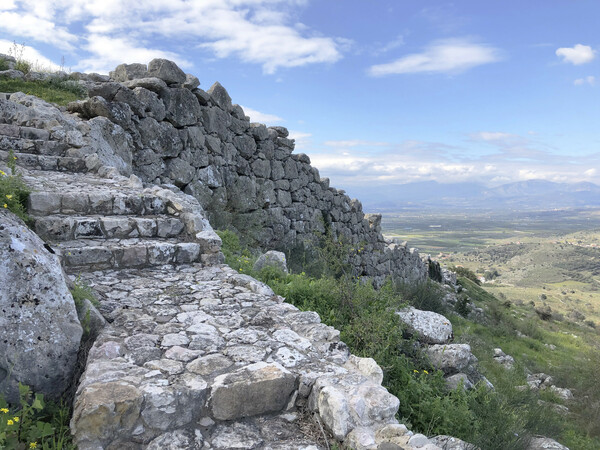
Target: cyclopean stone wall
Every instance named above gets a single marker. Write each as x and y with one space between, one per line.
169 131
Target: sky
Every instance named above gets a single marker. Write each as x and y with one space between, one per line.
374 91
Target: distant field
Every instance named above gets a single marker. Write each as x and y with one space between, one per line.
549 258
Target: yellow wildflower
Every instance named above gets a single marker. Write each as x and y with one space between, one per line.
426 372
16 419
4 410
33 445
2 172
415 371
8 196
9 422
5 205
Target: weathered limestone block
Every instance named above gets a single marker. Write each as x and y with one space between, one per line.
255 389
271 258
220 96
544 443
39 329
126 72
104 411
191 82
430 327
451 358
166 70
180 172
152 104
182 107
111 143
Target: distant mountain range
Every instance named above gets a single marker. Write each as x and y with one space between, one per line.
522 195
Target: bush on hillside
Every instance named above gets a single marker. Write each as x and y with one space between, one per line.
467 273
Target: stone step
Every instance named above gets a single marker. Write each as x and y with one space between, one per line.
67 227
90 201
33 146
205 357
46 162
96 254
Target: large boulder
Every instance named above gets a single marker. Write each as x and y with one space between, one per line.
451 358
126 72
429 327
271 259
544 443
39 329
167 71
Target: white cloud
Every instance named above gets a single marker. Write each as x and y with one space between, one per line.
394 44
579 54
355 143
302 139
513 158
260 32
109 52
444 56
257 116
491 136
33 27
591 80
30 54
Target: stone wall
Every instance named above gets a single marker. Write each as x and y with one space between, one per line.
244 174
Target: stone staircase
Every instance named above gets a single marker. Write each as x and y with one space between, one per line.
195 355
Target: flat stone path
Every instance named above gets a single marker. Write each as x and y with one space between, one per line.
193 348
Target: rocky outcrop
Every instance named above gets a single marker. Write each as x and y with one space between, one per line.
39 329
244 174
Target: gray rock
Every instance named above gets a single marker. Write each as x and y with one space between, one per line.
166 70
255 389
503 359
220 96
191 82
12 74
153 84
182 107
544 443
271 258
430 327
126 72
459 379
451 358
39 329
451 443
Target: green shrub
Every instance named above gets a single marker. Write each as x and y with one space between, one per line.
23 66
34 424
3 64
467 273
53 90
426 296
13 191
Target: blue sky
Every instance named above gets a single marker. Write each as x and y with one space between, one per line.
377 92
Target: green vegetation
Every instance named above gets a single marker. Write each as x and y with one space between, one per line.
13 191
34 424
82 292
503 418
53 90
